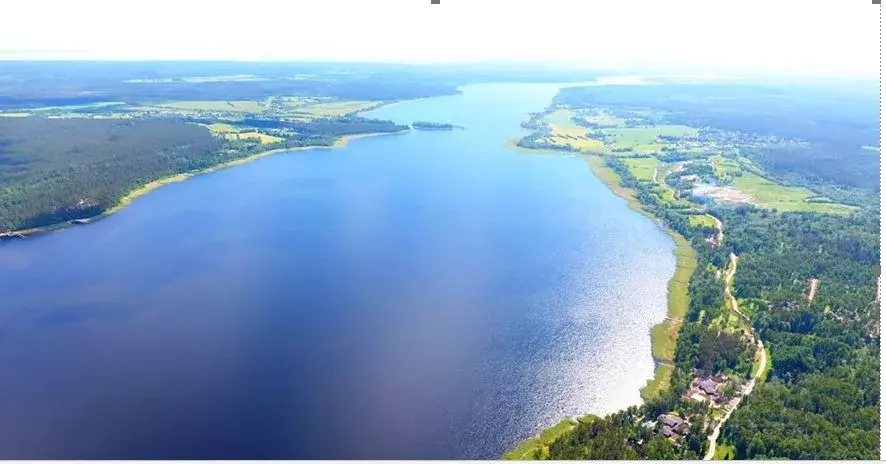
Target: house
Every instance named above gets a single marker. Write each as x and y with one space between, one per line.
784 306
708 386
670 420
672 426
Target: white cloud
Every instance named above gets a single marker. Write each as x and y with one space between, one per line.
822 37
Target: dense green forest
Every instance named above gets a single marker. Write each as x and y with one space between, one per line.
806 281
823 397
56 170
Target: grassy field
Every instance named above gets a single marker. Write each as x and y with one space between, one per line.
678 287
222 128
265 139
638 140
645 139
603 118
659 383
725 167
642 168
566 132
768 194
244 106
702 220
561 121
766 368
334 108
664 334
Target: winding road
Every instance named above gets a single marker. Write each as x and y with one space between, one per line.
749 387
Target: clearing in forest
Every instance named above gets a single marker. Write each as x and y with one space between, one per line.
264 138
768 194
334 108
242 106
644 140
642 168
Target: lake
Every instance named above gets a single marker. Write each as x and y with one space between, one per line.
431 294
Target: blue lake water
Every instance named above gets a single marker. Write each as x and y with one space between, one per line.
425 295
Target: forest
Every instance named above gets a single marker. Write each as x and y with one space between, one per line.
54 170
425 125
29 84
823 397
820 398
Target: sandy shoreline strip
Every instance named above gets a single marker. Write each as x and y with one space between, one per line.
153 185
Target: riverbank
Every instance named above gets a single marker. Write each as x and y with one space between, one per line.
664 334
155 184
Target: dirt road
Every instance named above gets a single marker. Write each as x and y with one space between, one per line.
749 387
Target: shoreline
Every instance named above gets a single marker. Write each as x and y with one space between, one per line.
663 334
145 189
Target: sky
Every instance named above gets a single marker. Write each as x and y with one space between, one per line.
811 37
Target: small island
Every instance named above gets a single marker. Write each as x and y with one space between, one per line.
424 125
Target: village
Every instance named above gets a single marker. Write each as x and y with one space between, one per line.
719 392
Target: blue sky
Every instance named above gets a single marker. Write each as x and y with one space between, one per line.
825 37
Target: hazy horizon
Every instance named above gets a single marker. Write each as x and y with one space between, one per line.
791 38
